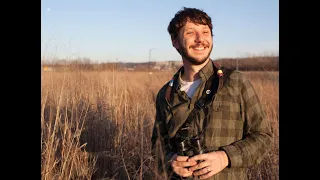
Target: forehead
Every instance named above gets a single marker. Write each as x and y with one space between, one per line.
190 24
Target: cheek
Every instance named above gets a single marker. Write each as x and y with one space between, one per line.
210 41
181 44
187 42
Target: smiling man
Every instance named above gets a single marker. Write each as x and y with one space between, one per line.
209 121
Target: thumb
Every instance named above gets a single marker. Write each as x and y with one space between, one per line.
182 158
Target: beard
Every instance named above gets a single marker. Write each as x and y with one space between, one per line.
193 60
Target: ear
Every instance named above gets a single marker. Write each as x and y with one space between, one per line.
175 43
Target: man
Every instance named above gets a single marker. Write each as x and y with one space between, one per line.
206 131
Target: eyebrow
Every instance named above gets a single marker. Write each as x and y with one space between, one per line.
206 28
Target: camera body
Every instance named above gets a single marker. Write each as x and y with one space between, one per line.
189 143
189 146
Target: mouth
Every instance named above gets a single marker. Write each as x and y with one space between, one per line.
198 48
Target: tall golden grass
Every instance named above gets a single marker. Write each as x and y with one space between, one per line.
97 125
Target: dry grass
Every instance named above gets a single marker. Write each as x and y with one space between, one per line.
97 125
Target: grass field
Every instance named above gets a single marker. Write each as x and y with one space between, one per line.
97 125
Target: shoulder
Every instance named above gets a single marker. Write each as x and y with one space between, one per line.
162 92
235 77
233 73
236 74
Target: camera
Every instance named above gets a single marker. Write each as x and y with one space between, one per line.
189 146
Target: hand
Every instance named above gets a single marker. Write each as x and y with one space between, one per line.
211 164
180 165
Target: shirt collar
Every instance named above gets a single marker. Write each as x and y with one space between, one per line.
204 73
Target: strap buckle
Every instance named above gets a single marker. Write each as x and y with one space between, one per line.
199 103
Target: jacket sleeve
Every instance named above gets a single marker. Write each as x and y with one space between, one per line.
162 148
257 135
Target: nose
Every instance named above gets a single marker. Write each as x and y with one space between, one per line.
199 37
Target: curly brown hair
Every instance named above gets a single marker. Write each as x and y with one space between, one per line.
193 15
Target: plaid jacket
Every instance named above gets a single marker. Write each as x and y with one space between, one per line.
237 124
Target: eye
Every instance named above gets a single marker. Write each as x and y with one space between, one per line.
206 32
190 32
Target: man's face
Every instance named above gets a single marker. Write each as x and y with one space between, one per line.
194 43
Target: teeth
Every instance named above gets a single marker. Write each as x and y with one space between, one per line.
199 48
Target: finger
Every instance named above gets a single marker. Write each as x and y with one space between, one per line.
183 164
201 172
205 176
186 173
194 162
174 157
182 171
181 158
198 157
199 166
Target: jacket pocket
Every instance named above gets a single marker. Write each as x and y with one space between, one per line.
225 124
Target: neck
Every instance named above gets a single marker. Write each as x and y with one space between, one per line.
191 71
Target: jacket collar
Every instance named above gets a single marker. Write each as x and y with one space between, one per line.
204 73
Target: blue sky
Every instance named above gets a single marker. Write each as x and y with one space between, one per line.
125 30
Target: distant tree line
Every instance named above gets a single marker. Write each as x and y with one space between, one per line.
264 63
268 63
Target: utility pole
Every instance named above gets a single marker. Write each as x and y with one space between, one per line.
150 58
237 62
237 56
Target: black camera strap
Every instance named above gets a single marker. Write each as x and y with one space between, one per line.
212 86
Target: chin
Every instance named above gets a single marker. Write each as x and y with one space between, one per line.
201 58
197 60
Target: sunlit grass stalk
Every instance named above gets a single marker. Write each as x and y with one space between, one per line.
118 112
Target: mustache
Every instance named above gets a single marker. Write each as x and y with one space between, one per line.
200 45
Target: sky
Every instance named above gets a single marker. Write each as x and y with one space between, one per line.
130 30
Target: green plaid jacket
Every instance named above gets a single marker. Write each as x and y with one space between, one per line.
237 124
